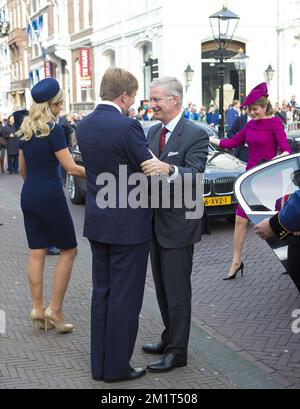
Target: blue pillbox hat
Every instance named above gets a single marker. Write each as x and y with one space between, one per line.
19 117
45 90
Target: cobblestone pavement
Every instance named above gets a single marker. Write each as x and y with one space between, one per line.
241 332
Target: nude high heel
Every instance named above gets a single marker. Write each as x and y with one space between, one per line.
233 277
60 326
38 320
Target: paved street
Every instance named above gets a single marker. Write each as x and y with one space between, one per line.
241 331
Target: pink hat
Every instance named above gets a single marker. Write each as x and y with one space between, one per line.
260 91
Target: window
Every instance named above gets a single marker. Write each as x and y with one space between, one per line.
264 189
86 14
76 16
291 73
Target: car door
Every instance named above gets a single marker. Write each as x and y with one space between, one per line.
264 190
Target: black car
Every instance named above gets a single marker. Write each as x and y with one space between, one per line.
222 171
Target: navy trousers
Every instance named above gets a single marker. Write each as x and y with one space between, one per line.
294 260
13 164
119 274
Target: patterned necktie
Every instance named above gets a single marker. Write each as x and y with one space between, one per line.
163 138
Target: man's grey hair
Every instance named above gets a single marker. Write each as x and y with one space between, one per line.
172 86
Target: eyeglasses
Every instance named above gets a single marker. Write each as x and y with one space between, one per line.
157 100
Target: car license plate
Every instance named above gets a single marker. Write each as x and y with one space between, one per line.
218 201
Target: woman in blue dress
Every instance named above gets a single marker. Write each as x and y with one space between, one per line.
46 214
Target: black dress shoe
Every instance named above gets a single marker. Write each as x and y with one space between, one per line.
155 349
135 373
97 379
169 362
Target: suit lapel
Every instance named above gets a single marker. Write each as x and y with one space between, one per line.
178 131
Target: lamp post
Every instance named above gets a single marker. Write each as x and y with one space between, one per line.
223 25
269 74
241 61
4 29
188 77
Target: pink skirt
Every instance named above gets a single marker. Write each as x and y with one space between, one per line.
240 212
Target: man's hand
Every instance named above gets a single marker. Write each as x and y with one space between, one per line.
155 167
297 234
264 230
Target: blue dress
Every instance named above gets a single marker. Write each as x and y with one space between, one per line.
47 217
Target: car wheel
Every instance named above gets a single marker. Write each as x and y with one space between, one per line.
75 194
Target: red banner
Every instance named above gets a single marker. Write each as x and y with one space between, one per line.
48 69
85 68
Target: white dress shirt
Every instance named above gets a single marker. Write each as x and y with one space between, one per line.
112 104
171 127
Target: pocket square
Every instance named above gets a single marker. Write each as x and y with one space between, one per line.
172 154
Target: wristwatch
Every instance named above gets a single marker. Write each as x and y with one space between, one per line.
172 170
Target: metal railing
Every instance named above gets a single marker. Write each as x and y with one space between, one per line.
293 126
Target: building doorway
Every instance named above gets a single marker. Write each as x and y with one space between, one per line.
147 58
210 80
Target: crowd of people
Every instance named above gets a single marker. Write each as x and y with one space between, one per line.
10 141
122 237
235 115
288 112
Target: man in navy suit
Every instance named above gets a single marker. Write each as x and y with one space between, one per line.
242 152
233 113
182 148
119 235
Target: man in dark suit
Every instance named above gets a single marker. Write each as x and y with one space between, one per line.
233 113
180 147
242 152
119 235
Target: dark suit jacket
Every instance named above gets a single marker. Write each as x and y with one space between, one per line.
108 139
232 116
191 143
242 152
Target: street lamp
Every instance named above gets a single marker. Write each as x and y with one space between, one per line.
188 77
4 28
269 74
223 25
241 61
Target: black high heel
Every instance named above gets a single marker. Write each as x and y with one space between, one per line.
233 277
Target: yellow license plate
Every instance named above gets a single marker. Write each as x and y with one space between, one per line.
218 201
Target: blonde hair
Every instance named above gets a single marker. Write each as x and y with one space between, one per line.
40 115
264 102
115 82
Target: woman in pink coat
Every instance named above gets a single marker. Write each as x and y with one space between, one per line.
266 138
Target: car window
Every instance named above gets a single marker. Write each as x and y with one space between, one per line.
263 192
266 189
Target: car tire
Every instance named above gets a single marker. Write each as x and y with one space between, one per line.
77 197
